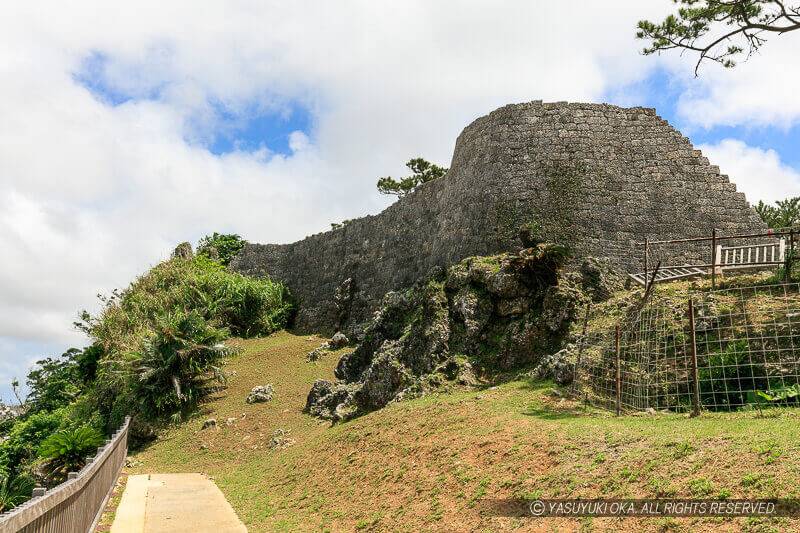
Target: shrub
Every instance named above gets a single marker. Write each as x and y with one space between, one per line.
56 381
248 306
24 439
161 338
177 362
727 376
783 214
220 247
66 450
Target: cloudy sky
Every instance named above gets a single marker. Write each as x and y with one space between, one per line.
127 128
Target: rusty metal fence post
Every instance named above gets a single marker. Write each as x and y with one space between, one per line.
619 372
693 362
713 258
646 261
787 275
581 346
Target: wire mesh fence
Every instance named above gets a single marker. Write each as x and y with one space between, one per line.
719 350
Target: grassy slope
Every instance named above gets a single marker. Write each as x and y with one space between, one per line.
427 463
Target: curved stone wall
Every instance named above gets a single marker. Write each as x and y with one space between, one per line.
597 176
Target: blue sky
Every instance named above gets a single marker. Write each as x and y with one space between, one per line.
251 130
125 135
250 127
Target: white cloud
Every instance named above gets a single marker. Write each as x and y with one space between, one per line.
758 173
758 92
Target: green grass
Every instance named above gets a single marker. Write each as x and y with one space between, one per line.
427 464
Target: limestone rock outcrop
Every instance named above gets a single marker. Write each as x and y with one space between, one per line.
484 315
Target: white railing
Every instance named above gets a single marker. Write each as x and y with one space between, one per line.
750 256
77 504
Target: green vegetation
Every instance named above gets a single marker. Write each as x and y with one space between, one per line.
66 450
56 382
720 31
156 351
174 363
555 209
220 247
14 491
21 446
161 337
433 462
784 214
422 171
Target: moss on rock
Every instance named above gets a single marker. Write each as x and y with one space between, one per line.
482 316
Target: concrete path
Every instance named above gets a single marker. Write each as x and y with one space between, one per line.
172 503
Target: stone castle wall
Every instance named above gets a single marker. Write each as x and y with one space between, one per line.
597 176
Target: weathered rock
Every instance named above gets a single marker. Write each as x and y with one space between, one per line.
331 401
345 411
280 439
599 278
260 393
473 308
343 299
517 306
320 389
318 352
523 342
183 251
351 365
537 268
460 370
210 423
480 270
339 340
560 306
485 314
504 284
384 378
425 340
560 366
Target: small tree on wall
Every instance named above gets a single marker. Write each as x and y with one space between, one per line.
220 247
422 172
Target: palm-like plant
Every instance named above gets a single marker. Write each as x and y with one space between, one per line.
66 450
176 363
14 491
